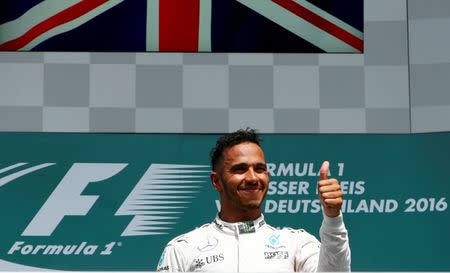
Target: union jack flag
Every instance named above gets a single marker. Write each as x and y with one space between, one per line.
313 26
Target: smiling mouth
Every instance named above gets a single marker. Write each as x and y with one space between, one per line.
251 190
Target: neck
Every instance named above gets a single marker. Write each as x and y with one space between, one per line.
234 216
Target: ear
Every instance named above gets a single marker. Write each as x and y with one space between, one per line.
215 180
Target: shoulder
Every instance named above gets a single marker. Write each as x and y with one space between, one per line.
299 234
288 231
294 230
190 237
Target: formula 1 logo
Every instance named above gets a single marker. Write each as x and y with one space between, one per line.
157 198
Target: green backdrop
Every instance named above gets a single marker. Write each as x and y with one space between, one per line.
395 203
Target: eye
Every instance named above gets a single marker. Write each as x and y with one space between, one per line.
240 168
260 168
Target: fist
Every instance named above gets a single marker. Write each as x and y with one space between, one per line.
329 191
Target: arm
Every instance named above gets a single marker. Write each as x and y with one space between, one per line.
332 254
335 249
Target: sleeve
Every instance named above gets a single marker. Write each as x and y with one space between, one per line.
335 249
172 260
307 253
331 254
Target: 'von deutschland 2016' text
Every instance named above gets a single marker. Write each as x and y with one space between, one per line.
313 206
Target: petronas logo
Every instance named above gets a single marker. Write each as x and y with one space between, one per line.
246 227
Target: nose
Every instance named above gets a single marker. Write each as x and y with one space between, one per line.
251 175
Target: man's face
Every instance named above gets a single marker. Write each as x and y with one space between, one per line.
241 178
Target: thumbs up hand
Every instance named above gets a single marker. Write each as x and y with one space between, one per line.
329 192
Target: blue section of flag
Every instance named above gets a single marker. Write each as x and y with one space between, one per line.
12 9
122 28
237 28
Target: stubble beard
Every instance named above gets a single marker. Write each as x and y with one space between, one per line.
237 201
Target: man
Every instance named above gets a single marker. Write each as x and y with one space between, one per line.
239 240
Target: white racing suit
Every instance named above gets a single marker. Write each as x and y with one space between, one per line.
255 246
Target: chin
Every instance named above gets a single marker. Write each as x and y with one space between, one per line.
252 205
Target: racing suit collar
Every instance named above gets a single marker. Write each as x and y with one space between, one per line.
239 227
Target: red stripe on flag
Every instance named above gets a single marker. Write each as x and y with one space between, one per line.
322 23
179 25
58 19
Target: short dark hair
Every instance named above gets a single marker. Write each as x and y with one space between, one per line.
230 140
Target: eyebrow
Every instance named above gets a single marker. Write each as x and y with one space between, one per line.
238 165
243 164
261 165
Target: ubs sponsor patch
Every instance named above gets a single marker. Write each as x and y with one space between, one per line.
200 262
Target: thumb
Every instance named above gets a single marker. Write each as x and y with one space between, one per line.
324 170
